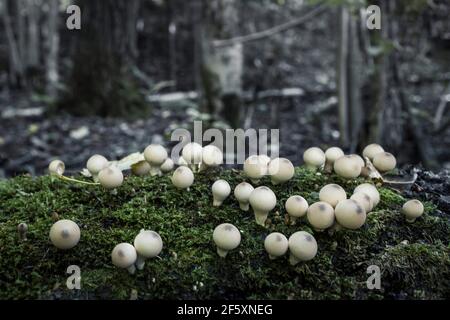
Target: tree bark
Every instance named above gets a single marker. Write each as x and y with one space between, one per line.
343 59
52 59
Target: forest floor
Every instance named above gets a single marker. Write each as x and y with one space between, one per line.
413 257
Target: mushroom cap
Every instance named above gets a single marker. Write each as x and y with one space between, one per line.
65 234
332 194
183 177
350 214
221 189
57 167
384 161
371 191
167 165
243 191
123 255
412 209
333 153
347 167
226 236
364 200
110 177
321 215
212 156
314 156
148 243
358 159
296 206
371 150
276 244
302 245
155 154
281 170
96 163
192 153
263 199
255 167
265 159
141 168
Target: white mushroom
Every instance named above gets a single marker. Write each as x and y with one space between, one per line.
56 167
347 167
96 163
192 153
65 234
384 161
220 190
332 194
364 200
148 244
350 214
371 191
167 166
226 237
302 247
412 210
296 207
371 150
155 155
359 160
211 157
255 168
242 194
280 170
314 158
183 178
141 168
182 163
110 177
124 256
276 245
262 200
320 215
331 155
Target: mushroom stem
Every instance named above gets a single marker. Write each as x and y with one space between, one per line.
293 260
244 206
221 252
140 262
155 171
292 220
217 202
410 220
131 269
202 167
261 217
77 181
271 257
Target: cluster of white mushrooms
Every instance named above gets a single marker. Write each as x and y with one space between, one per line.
334 210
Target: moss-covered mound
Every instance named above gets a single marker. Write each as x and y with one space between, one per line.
414 258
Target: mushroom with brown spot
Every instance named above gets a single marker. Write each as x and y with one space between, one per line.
332 194
371 191
350 214
226 237
320 215
276 245
347 167
22 229
262 200
124 256
412 209
364 200
384 161
302 247
296 207
65 234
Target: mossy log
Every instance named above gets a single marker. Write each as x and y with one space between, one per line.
189 267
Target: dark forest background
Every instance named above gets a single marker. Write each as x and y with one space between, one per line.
138 69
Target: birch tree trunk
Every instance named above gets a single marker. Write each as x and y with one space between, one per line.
33 50
343 59
52 44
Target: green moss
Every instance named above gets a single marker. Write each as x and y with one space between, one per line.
188 266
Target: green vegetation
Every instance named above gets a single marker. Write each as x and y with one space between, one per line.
189 266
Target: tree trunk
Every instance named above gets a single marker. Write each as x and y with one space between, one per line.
33 50
343 60
52 60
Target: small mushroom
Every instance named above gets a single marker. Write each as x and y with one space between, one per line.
412 210
96 163
155 155
192 153
364 200
347 167
296 207
182 163
141 168
56 167
183 178
242 194
280 170
331 155
371 191
350 214
276 245
226 237
302 247
65 234
255 168
320 215
211 157
124 256
167 166
384 161
314 158
22 229
110 177
220 190
332 194
371 150
262 200
148 244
